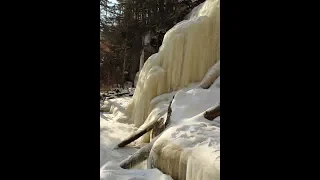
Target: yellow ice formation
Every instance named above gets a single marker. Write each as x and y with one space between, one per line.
188 50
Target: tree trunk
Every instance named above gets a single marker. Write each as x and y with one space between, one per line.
212 114
137 134
139 156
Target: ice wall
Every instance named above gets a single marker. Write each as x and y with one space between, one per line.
188 50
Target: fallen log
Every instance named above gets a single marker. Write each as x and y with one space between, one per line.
121 94
139 156
112 97
213 113
137 134
158 125
104 110
143 153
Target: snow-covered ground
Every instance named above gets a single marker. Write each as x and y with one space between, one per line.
190 141
112 131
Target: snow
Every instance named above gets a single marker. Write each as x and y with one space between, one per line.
111 171
190 141
159 106
188 50
111 133
117 109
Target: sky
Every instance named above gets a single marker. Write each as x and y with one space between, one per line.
112 1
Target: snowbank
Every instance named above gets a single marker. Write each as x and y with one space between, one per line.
112 132
117 108
191 141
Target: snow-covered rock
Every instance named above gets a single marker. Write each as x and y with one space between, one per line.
190 141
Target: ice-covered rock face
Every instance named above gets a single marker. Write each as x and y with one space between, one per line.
188 50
